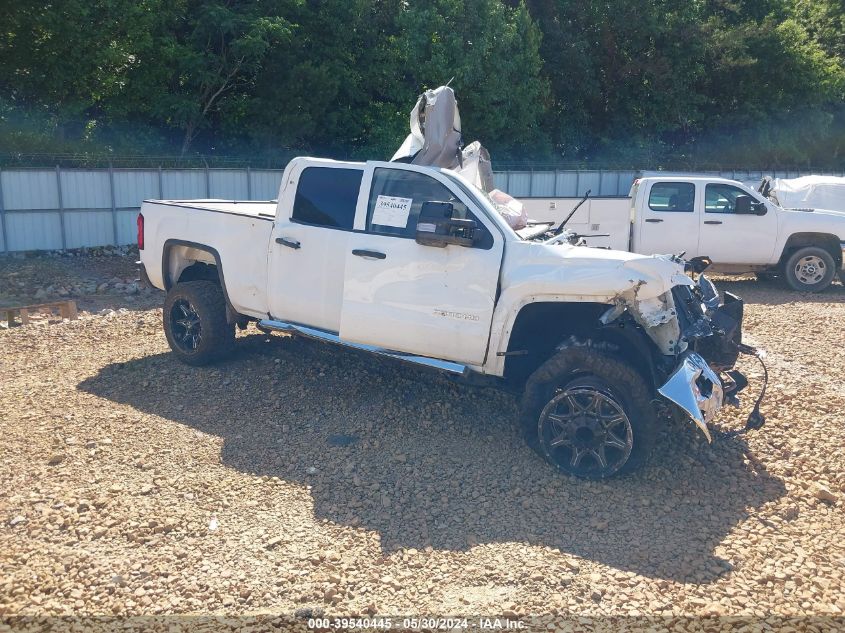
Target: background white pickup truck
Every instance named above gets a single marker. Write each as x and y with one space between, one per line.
735 226
415 263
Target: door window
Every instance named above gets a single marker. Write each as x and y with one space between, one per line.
721 198
673 197
397 196
327 197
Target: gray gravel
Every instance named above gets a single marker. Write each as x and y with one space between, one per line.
299 476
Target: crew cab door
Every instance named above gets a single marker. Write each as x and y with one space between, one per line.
667 222
423 300
314 221
729 238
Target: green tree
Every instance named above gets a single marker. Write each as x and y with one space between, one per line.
60 62
491 53
199 55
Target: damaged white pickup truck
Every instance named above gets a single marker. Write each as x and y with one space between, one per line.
415 263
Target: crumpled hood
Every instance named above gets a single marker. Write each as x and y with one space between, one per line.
584 270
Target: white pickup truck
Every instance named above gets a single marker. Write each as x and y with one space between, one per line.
736 227
415 263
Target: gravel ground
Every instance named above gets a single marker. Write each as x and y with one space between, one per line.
302 478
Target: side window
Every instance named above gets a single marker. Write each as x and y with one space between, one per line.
397 196
327 196
719 198
673 197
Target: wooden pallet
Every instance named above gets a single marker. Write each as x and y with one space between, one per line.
66 310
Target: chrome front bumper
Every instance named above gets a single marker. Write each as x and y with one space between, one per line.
842 246
696 389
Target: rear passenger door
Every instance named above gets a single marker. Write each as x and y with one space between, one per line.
308 248
668 221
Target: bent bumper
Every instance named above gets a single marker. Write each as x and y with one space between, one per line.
696 389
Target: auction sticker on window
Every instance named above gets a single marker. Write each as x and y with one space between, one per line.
392 211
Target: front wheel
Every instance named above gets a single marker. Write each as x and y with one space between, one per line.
809 269
195 322
589 414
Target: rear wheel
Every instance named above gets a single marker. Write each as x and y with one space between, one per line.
195 322
589 414
810 269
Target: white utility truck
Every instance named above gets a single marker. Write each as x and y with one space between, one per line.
414 263
737 228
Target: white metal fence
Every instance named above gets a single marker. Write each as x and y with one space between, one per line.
58 208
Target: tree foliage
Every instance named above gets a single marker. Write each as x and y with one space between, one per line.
644 83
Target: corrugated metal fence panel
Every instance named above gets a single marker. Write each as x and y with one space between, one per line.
626 179
229 184
127 229
543 184
184 184
87 200
265 183
589 181
30 189
132 187
85 189
88 228
519 183
34 231
566 184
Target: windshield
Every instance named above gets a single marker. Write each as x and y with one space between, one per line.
483 201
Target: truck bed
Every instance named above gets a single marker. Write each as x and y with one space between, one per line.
233 235
240 207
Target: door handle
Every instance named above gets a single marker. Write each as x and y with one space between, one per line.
284 241
364 253
712 221
653 220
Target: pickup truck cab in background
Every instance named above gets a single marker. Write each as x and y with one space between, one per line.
731 224
415 263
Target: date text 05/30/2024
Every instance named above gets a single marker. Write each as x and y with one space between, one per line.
445 624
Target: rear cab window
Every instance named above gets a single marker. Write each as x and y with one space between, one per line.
327 196
672 197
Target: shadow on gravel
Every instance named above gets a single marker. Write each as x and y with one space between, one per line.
424 461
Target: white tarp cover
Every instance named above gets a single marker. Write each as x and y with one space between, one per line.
810 192
435 137
435 140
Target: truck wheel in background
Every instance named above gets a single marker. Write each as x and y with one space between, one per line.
589 414
810 268
195 322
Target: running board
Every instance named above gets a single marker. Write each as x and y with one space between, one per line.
293 328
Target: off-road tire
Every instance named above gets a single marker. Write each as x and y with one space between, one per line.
818 257
205 300
585 365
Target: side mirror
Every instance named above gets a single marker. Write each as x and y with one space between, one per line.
745 205
742 206
437 227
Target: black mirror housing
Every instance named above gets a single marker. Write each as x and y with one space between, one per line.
436 226
746 205
742 206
